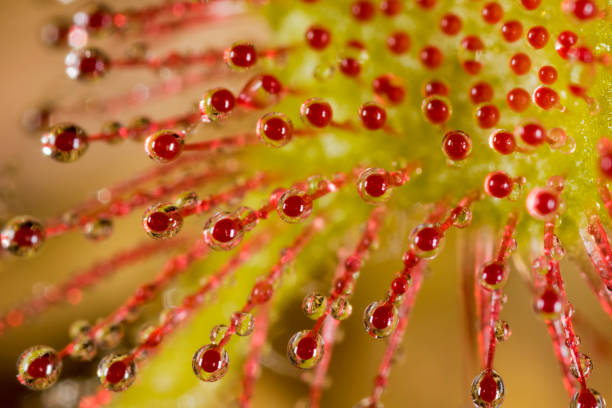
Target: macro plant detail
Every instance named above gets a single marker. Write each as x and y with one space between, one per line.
345 131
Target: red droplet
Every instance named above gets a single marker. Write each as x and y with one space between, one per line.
116 372
435 88
503 142
350 66
450 24
586 399
363 10
532 134
493 274
547 74
545 97
92 66
158 221
520 63
492 12
391 8
481 92
545 202
271 84
537 37
584 9
498 184
398 42
40 367
549 302
565 41
67 140
100 19
605 163
518 99
26 236
382 317
243 55
427 239
436 111
262 292
293 206
223 100
472 43
487 116
427 4
167 145
318 37
431 57
372 116
376 185
399 286
306 348
276 129
225 230
512 31
531 4
487 388
211 361
457 145
319 114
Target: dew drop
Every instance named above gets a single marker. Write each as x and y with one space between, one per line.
22 236
380 319
210 363
38 367
305 349
116 372
314 305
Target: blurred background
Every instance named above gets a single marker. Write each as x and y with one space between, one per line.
437 364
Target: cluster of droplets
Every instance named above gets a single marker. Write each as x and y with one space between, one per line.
167 140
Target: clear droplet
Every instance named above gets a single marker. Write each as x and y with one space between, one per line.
502 330
244 323
109 336
22 236
98 229
305 349
210 363
218 333
324 71
488 389
368 403
38 367
558 251
83 349
188 199
247 217
341 308
79 328
586 365
463 217
314 305
116 372
162 221
380 319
